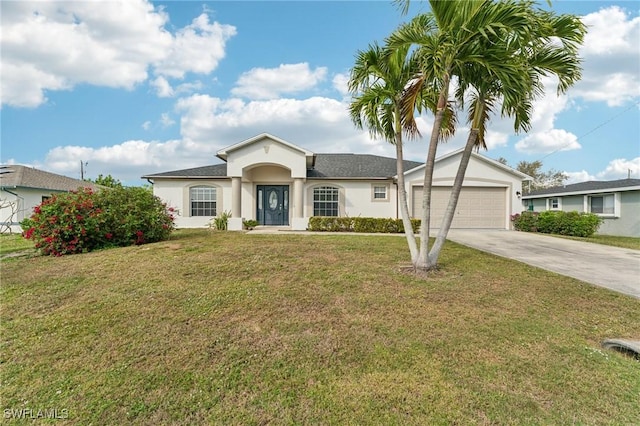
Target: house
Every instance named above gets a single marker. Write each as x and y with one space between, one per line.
277 183
22 188
617 202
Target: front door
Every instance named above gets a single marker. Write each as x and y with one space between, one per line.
273 205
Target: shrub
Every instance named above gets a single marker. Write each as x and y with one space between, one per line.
558 222
83 220
526 221
359 224
221 223
250 223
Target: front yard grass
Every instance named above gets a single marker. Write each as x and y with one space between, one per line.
10 243
611 240
232 328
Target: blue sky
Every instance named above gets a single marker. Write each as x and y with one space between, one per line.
141 87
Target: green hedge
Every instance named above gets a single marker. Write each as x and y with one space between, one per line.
558 222
359 224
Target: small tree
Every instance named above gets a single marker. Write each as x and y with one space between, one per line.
541 179
108 181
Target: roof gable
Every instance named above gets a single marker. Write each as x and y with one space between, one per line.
224 152
474 155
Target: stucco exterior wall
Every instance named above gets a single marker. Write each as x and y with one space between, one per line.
627 222
358 198
479 173
175 193
266 151
27 199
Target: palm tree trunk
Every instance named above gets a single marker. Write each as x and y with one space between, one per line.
423 256
402 195
434 253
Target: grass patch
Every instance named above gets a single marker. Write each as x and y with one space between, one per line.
10 243
231 328
610 240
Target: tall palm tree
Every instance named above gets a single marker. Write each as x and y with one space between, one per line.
487 45
550 49
376 83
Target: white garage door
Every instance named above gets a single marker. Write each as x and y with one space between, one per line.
478 207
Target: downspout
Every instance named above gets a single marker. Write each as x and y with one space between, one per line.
395 182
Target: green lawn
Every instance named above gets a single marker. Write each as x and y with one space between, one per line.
611 240
10 243
230 328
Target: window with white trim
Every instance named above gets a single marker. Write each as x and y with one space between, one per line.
203 201
554 203
326 201
602 204
380 193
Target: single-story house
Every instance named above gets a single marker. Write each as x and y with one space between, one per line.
22 188
617 202
277 183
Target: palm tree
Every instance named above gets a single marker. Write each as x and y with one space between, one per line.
498 48
377 83
551 49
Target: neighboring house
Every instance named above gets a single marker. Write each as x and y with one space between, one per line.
22 188
277 183
617 202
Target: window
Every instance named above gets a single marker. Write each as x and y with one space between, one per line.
554 203
602 204
45 198
325 201
379 193
203 201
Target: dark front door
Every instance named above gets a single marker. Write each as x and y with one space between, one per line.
273 205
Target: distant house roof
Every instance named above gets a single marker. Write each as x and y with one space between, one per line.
15 176
590 187
326 166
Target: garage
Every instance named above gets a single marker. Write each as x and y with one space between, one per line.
478 207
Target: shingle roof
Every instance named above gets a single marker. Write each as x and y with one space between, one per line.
356 166
326 166
584 187
15 176
213 171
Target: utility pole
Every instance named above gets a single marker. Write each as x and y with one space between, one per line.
83 164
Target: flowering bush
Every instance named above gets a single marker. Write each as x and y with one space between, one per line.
84 220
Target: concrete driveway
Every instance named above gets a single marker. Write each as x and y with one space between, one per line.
614 268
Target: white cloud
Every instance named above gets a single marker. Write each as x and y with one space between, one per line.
128 160
146 125
162 86
548 141
57 45
577 177
619 168
166 120
269 83
341 83
611 57
197 48
543 137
